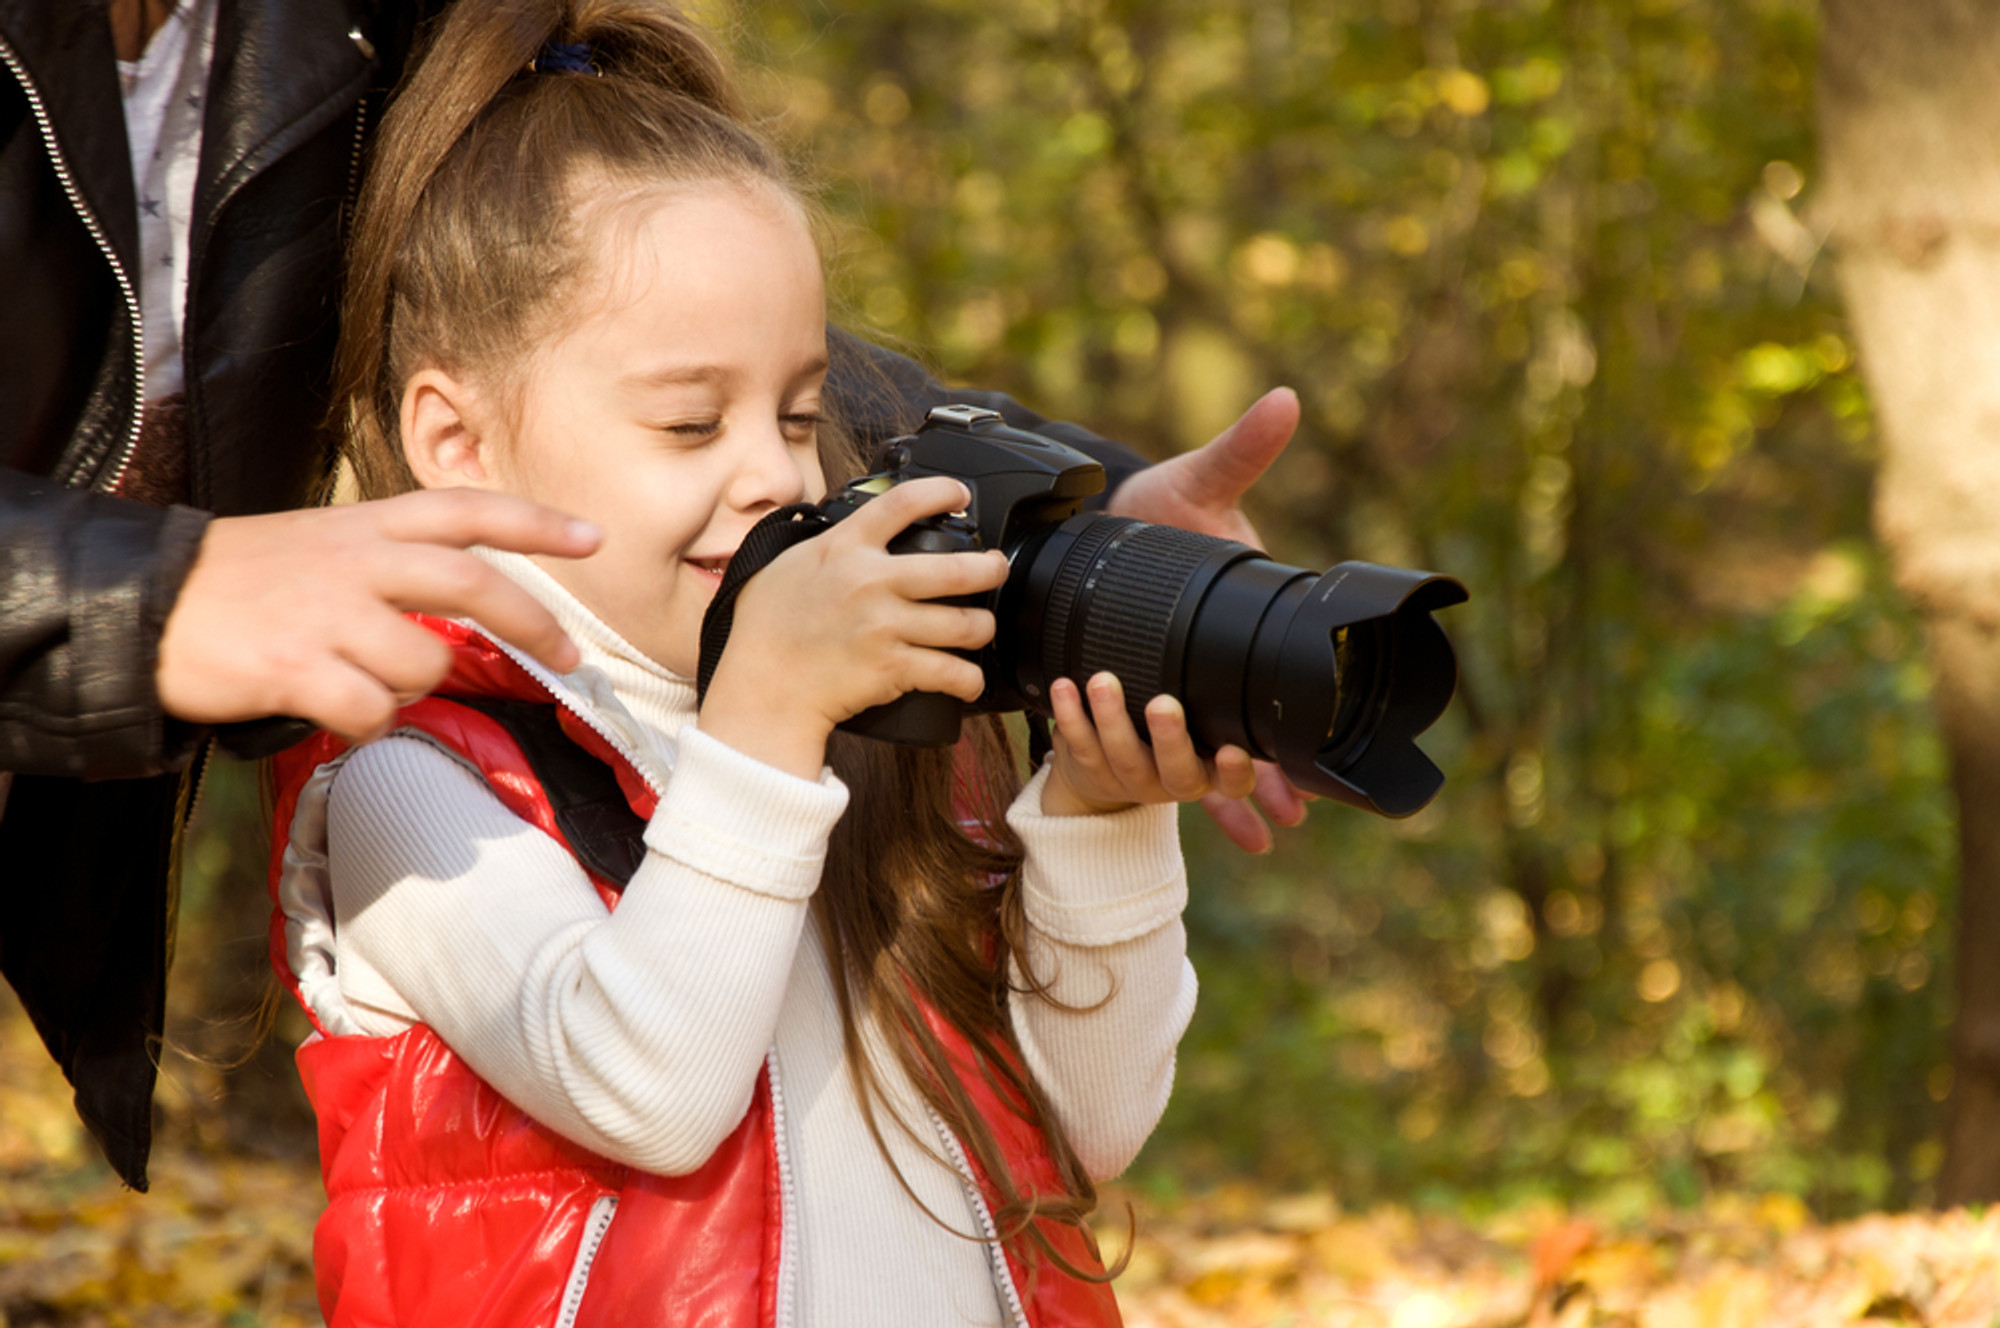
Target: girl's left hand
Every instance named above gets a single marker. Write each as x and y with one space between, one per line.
1103 765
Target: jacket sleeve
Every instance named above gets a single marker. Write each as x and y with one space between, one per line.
881 394
86 582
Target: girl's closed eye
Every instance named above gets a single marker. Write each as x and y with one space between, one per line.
693 430
800 426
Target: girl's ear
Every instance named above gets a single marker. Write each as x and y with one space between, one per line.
445 439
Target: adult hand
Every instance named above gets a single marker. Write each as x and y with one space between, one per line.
300 613
1203 491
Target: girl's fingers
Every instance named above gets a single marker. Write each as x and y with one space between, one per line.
1073 726
936 671
1114 765
923 576
949 627
1181 771
946 626
1125 753
882 519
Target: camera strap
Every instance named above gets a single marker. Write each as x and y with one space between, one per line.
778 531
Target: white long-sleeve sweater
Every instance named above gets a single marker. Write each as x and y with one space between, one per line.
640 1033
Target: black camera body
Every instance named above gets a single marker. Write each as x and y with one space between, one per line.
1331 676
1023 486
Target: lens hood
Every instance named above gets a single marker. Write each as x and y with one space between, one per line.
1369 630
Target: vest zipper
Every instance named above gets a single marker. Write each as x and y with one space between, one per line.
989 1231
785 1313
555 687
74 193
594 1228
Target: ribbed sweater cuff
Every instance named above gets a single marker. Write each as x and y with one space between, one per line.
1121 873
733 817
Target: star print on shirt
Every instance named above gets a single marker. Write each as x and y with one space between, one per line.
193 100
150 206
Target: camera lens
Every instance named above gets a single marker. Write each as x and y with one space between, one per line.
1330 675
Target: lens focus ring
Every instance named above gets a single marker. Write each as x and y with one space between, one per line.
1142 571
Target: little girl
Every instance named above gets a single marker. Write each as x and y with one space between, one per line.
629 1014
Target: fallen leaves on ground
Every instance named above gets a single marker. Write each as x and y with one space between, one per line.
220 1239
1235 1258
223 1239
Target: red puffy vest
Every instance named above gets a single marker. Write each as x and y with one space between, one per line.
448 1205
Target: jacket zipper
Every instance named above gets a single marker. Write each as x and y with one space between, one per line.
204 755
110 482
107 483
989 1231
351 199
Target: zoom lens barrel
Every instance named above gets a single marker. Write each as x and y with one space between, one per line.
1332 676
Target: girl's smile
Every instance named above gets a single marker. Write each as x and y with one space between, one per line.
709 567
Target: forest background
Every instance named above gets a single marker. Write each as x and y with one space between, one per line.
1553 283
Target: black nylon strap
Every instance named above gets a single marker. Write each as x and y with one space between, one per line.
1041 740
603 831
778 531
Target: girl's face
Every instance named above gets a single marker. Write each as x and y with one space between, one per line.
679 404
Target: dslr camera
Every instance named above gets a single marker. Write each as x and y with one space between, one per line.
1329 675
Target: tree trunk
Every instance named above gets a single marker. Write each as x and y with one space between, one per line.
1909 104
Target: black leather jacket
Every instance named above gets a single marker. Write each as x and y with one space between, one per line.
100 775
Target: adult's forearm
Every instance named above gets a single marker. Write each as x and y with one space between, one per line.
86 583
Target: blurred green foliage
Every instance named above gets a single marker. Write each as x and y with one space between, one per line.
1547 280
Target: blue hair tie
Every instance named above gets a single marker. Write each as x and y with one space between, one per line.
564 58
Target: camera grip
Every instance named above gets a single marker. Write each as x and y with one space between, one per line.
920 719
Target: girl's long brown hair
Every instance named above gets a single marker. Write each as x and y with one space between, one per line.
464 239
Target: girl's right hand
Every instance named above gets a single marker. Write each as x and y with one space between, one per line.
837 624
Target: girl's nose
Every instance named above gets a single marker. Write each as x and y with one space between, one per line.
769 474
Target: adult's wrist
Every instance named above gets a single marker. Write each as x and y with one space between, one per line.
91 581
181 537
